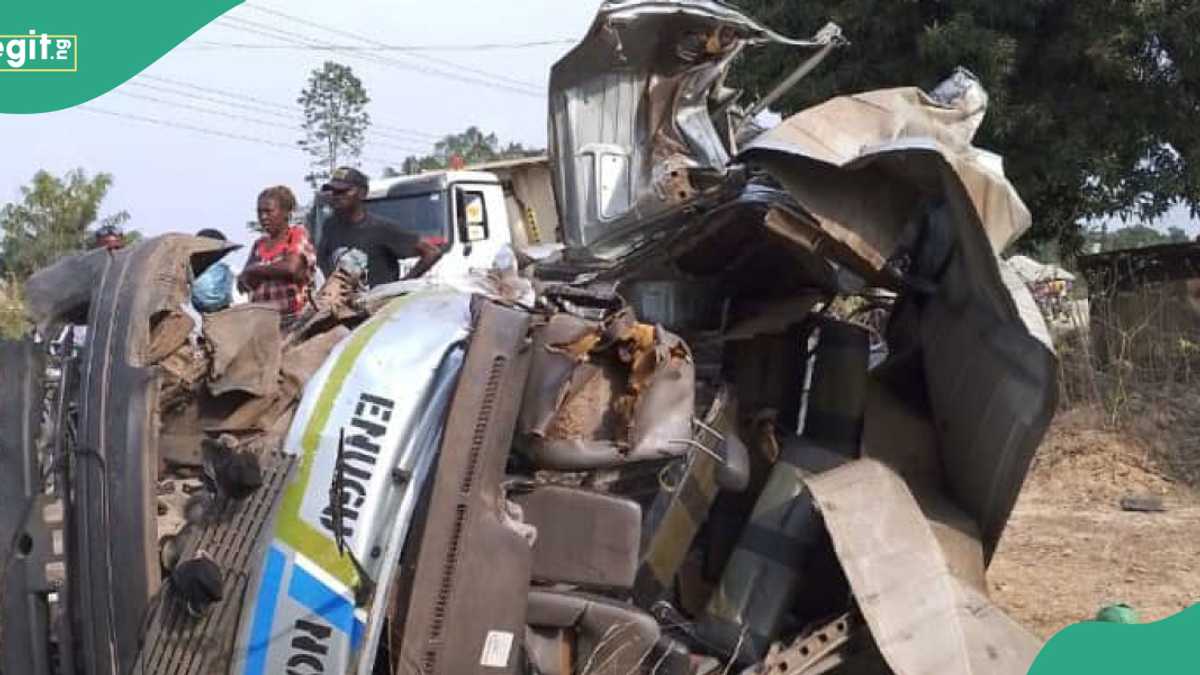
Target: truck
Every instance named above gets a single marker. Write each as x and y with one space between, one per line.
470 214
679 458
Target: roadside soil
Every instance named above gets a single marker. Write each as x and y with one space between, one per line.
1069 548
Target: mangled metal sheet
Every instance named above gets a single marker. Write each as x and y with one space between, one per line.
387 386
63 291
894 150
924 619
891 175
245 346
632 107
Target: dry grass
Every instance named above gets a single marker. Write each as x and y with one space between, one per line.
1139 368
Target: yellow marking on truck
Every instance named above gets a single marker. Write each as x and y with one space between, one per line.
316 544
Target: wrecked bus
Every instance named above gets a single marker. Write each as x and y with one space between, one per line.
664 450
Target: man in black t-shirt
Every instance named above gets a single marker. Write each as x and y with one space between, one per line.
382 241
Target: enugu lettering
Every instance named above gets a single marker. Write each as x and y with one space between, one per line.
367 427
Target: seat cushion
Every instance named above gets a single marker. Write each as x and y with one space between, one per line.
584 538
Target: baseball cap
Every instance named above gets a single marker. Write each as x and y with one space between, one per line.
346 177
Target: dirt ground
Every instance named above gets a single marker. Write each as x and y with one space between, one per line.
1070 549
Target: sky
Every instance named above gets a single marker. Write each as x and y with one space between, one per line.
175 179
172 179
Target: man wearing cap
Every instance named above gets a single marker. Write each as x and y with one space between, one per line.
109 237
352 227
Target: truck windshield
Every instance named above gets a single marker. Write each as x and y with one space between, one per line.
425 215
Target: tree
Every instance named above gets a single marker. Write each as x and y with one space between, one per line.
471 146
335 119
1093 102
52 219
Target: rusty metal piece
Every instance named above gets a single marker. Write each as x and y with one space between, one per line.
169 333
245 344
814 652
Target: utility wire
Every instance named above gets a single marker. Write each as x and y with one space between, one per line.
386 47
262 110
179 125
206 111
302 39
292 117
377 43
265 30
209 131
243 100
252 120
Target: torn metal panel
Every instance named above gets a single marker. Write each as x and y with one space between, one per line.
924 619
631 113
926 194
869 161
245 345
62 292
169 332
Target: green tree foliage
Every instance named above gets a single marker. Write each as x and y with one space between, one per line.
472 146
335 119
1134 236
53 219
1093 103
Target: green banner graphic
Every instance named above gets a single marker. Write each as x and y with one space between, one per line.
55 55
1167 647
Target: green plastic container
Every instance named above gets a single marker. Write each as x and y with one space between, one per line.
1119 613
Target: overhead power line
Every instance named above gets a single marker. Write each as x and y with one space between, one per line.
211 132
481 78
376 43
252 120
179 125
207 111
248 102
292 37
493 46
293 117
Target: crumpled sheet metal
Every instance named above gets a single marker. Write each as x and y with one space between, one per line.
632 109
245 344
872 158
601 394
62 291
925 620
299 364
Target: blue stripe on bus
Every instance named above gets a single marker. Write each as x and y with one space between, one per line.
264 613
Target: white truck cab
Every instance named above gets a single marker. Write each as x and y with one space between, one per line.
461 212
